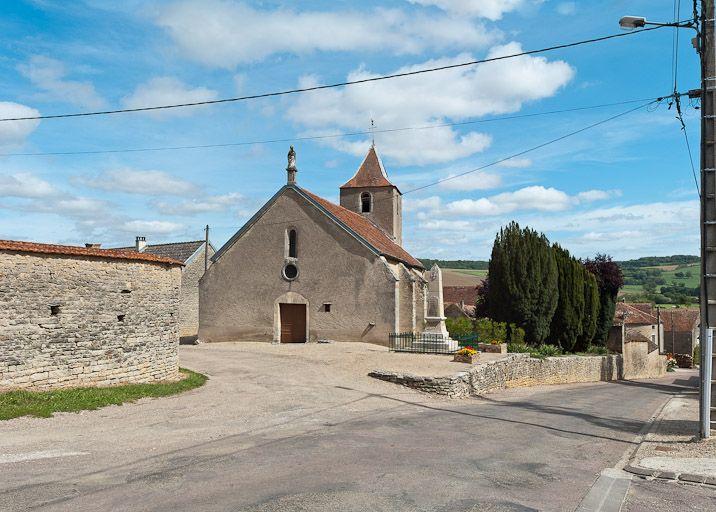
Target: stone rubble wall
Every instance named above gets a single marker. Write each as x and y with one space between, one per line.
639 363
189 297
86 343
514 370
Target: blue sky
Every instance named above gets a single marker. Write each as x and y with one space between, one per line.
624 188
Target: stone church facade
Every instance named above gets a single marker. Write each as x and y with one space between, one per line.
305 269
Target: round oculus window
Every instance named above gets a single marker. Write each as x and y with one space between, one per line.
290 271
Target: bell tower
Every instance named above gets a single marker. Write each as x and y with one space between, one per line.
369 193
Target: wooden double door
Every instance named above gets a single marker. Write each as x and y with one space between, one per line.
293 323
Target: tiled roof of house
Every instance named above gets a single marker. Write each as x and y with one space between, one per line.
181 251
371 173
95 252
680 319
631 314
467 294
367 230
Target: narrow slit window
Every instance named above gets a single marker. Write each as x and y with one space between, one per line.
292 240
365 202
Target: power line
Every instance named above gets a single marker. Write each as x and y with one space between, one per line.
533 148
496 162
329 136
339 84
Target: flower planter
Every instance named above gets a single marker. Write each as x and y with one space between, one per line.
466 358
499 348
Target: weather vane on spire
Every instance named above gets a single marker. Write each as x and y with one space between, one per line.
372 133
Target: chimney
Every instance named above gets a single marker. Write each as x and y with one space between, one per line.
140 243
93 246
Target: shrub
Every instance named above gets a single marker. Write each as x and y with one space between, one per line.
697 355
597 350
459 327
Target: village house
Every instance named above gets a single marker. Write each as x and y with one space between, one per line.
195 258
681 330
79 316
460 301
635 322
306 269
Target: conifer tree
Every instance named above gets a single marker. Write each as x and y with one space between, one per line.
609 279
591 311
523 281
568 320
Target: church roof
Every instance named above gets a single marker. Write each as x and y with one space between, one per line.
371 173
358 226
367 230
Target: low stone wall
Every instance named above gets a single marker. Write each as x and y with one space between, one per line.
514 370
68 321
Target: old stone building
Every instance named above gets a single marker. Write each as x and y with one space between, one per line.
303 268
78 316
192 254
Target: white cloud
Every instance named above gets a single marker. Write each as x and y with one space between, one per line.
446 225
472 181
25 185
566 8
225 33
166 90
490 9
131 181
432 99
428 203
536 198
516 163
201 205
48 75
15 132
150 227
597 195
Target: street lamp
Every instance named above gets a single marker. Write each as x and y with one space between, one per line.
632 22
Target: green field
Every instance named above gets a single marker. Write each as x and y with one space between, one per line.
479 273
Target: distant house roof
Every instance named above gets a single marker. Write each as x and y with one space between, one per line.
455 294
371 173
634 314
94 252
680 319
366 230
181 251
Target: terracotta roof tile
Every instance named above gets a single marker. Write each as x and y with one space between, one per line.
370 173
366 229
681 319
455 294
631 314
71 250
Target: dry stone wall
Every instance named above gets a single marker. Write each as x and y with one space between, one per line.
69 321
514 370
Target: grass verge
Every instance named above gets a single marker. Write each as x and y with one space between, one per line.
43 404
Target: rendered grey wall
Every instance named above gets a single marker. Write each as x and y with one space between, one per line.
387 208
239 291
189 297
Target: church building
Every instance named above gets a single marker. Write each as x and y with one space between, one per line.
306 269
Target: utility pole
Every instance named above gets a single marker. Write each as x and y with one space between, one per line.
707 52
206 248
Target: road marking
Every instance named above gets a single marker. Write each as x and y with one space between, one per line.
9 458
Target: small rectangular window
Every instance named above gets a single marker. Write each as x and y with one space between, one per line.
54 310
120 318
327 307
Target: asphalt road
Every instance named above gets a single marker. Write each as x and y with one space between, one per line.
519 450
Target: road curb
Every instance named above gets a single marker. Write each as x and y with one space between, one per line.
670 475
